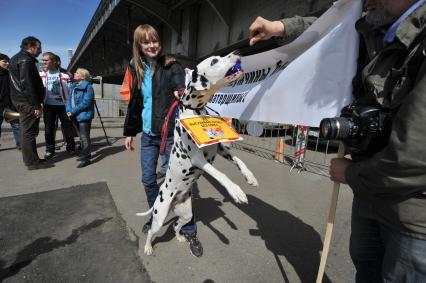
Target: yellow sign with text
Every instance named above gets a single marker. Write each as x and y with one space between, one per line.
208 130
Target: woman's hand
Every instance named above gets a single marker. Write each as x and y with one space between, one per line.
69 114
128 143
176 94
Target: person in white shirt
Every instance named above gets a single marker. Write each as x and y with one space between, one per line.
55 83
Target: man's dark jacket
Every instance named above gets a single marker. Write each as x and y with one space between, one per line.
5 101
168 76
391 184
26 86
393 181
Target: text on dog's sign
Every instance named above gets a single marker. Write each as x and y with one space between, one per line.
207 130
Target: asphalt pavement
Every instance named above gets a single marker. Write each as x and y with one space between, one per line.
276 237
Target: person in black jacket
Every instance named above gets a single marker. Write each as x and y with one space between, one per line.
5 102
27 94
156 81
388 222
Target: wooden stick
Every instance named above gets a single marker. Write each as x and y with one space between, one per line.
330 221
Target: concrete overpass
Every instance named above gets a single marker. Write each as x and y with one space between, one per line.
192 29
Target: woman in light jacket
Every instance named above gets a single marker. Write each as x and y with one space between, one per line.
80 108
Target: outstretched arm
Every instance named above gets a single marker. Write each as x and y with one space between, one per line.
263 29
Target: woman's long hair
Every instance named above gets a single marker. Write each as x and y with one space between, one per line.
142 33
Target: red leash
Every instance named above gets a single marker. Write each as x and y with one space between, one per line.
165 128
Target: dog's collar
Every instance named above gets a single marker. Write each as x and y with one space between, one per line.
192 108
199 109
217 113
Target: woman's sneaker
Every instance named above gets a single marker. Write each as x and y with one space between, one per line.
49 155
84 163
194 245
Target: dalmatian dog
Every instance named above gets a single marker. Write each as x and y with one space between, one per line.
187 161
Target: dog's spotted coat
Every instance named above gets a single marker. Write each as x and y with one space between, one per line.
187 162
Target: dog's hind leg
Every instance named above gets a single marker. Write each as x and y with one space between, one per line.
183 209
233 189
159 214
226 153
148 244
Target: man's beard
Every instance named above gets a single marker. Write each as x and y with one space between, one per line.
377 18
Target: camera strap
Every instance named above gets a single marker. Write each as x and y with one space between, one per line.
406 75
415 58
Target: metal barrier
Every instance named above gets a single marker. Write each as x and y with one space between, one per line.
274 141
282 142
111 108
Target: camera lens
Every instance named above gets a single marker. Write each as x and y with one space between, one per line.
335 128
326 128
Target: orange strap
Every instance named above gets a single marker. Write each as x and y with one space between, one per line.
126 86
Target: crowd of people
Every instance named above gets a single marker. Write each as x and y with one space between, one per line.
50 93
388 235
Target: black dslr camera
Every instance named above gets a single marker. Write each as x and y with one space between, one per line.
364 129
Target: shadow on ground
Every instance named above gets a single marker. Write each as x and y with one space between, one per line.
69 235
211 211
283 233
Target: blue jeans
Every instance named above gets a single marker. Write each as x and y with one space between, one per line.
150 151
383 255
16 134
50 115
84 134
15 131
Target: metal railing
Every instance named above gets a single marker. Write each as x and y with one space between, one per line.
111 108
280 142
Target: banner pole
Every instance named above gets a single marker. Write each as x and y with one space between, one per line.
330 221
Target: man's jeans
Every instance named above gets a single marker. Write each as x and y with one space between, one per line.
15 131
50 115
150 151
383 255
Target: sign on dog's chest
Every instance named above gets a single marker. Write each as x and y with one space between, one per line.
208 130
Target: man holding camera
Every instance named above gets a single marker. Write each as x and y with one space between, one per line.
388 240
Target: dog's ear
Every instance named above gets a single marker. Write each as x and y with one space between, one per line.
199 82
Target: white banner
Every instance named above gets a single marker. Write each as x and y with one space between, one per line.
302 82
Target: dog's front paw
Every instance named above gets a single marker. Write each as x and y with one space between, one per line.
148 250
251 180
237 194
